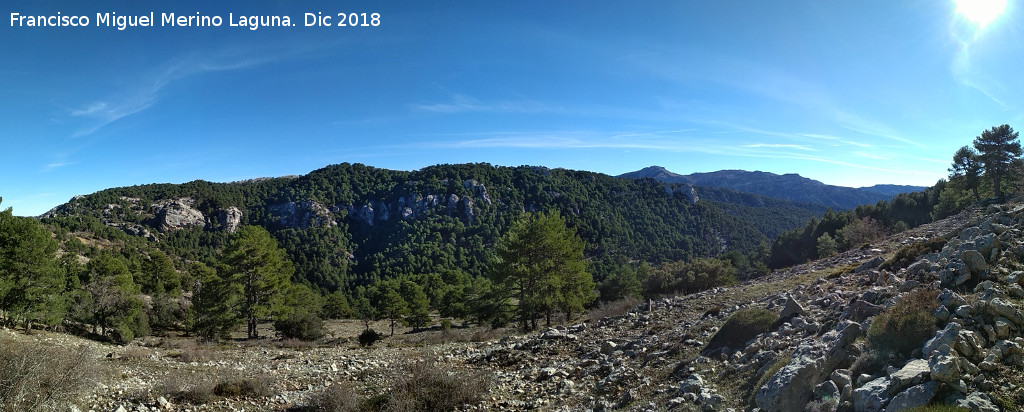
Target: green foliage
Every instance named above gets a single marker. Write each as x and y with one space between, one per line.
742 326
625 281
909 253
967 169
865 224
418 315
390 304
368 337
336 306
214 312
260 269
300 325
904 326
998 150
689 277
111 298
826 246
31 281
539 263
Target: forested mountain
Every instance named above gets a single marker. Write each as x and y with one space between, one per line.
788 186
349 224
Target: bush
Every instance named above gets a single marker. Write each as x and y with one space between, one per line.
300 325
904 326
426 387
182 388
243 388
36 377
334 398
369 337
907 254
742 325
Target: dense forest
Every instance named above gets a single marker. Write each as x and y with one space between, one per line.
351 240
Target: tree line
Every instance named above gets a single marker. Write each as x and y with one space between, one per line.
990 167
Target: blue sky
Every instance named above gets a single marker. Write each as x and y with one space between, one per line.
851 93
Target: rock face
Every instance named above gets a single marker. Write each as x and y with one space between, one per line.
177 213
230 218
302 214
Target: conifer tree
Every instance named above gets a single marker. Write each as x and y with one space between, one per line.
31 281
541 266
998 149
967 168
260 270
418 305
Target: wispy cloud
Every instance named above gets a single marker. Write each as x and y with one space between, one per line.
56 165
782 146
147 91
859 124
461 103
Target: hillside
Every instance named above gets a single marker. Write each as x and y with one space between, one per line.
350 224
844 339
787 186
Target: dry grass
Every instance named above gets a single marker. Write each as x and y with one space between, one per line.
616 308
41 377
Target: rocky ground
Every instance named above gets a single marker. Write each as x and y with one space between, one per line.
650 357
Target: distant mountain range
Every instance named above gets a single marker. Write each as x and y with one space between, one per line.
789 186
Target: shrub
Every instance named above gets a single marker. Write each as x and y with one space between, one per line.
300 325
243 388
426 387
334 398
42 377
742 325
182 388
615 308
904 326
908 254
369 337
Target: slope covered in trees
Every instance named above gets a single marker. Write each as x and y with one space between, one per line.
348 225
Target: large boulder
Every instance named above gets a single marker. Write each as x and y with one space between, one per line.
974 261
947 336
177 213
913 373
872 396
812 363
916 396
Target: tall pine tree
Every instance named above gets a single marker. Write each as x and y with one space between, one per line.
253 264
998 149
541 267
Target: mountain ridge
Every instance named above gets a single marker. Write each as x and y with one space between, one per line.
789 186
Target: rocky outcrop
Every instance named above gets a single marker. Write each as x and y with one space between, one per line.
411 206
302 214
173 214
230 218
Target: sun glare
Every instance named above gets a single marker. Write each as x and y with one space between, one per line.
980 12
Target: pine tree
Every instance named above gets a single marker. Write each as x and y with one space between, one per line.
966 168
112 296
418 305
541 266
31 281
215 305
998 149
253 261
391 305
